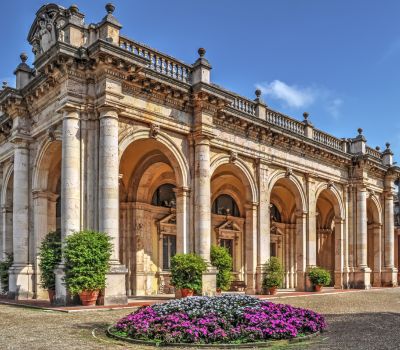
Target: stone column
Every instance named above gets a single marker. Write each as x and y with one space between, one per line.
301 250
311 224
250 246
21 281
70 188
264 229
389 274
202 209
362 276
7 223
339 253
115 291
182 220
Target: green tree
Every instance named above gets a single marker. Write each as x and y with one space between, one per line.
50 258
187 270
222 260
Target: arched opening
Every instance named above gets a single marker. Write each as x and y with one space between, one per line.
232 220
151 228
326 232
286 230
46 200
374 244
7 215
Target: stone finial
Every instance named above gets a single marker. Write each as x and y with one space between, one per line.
201 51
74 9
110 8
5 84
377 148
360 131
387 145
258 93
24 57
306 115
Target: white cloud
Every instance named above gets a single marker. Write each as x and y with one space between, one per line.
293 96
333 107
296 97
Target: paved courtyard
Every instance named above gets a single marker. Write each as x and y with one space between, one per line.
357 320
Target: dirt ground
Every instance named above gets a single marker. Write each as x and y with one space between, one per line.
362 320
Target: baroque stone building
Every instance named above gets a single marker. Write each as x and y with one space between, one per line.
109 134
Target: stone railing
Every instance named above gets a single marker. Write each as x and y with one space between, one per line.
327 140
159 62
285 122
244 105
373 152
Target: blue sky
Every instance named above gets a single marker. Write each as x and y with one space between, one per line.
338 60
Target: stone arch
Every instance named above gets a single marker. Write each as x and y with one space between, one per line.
223 159
294 184
330 231
171 151
6 243
374 239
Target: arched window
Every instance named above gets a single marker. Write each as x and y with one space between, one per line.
164 196
225 205
275 214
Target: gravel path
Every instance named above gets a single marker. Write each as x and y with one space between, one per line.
363 320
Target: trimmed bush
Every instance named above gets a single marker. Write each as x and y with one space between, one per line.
229 319
273 273
187 270
50 258
319 276
4 274
86 254
222 260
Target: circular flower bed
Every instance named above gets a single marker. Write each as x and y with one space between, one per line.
228 319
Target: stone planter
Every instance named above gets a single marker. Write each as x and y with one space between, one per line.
186 292
89 297
272 291
318 288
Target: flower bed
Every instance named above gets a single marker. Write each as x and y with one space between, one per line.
227 319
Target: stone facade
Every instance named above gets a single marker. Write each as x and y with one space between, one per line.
108 134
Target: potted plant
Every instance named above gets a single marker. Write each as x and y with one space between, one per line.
222 260
273 275
50 258
319 277
4 274
86 255
186 272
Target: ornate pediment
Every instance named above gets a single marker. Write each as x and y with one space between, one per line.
167 225
229 225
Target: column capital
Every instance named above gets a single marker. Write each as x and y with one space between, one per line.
108 112
301 213
251 205
262 163
69 111
21 140
182 191
202 138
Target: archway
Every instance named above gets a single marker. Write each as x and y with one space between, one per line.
329 229
46 199
374 240
234 219
287 228
6 243
153 212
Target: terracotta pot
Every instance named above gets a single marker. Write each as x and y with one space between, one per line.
218 291
273 290
318 287
186 292
89 297
52 294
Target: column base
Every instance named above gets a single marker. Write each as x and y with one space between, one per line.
362 278
303 282
376 278
339 280
62 298
115 291
209 281
250 283
259 279
389 277
20 282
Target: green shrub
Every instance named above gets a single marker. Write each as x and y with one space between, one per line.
4 267
319 276
86 254
187 270
222 260
50 258
273 273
